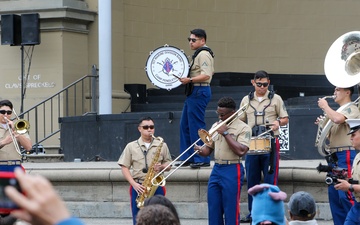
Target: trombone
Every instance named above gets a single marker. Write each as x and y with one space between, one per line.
21 126
206 136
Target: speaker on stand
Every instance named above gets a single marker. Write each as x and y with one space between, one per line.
11 30
30 29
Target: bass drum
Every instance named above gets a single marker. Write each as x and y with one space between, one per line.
165 65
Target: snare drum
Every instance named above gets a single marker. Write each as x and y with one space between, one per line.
259 145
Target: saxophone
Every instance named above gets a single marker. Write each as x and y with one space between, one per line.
150 188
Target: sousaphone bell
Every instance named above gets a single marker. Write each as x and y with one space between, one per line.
342 61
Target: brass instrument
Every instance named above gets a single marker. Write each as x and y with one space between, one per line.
207 137
21 126
342 69
150 187
342 65
324 125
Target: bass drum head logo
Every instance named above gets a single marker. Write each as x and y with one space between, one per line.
165 65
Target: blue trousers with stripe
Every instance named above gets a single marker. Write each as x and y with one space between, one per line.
192 119
341 201
224 188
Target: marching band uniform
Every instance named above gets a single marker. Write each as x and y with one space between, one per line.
261 113
227 175
342 152
134 155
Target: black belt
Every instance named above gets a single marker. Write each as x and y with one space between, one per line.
342 148
227 162
10 162
201 84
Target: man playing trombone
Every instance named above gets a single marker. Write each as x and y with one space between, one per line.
10 154
229 144
8 147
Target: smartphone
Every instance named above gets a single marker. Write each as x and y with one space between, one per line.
7 178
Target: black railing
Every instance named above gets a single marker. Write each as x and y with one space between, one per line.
78 98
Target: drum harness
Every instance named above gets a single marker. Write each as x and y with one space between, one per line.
257 129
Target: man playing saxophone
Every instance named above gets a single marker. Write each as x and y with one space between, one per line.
141 155
341 152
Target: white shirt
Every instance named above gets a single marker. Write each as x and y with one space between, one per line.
298 222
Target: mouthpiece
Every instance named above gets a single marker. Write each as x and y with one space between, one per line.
332 96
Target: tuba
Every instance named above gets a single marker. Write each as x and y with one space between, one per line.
324 127
342 69
150 188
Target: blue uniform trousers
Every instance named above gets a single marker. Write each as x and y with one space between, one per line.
353 217
224 188
340 201
255 165
133 194
192 119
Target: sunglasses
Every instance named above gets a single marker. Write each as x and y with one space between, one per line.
193 40
223 114
262 84
147 127
9 112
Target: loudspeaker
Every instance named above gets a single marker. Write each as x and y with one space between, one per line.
30 29
10 30
137 92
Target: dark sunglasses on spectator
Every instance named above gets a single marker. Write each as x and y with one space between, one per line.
193 39
147 127
262 84
9 112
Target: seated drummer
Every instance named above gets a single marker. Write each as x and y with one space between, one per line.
265 109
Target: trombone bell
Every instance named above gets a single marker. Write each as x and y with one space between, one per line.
205 137
21 126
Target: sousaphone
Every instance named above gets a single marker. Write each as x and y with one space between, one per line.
342 69
342 61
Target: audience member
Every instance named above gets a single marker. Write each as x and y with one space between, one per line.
302 209
41 205
267 205
162 200
156 215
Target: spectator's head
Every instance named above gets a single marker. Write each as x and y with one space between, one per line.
267 205
156 215
302 206
162 200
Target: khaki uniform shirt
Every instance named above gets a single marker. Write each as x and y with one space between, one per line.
338 133
8 152
238 130
356 174
203 64
272 112
133 156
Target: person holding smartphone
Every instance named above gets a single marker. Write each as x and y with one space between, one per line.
41 205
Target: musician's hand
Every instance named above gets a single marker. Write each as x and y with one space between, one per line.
222 129
9 122
275 126
322 103
7 140
184 80
138 188
157 167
